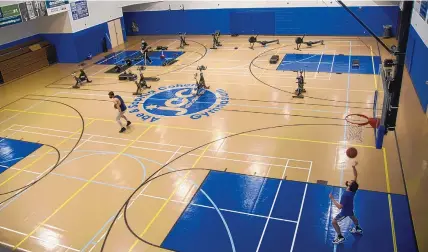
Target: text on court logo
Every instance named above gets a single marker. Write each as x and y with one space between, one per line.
178 100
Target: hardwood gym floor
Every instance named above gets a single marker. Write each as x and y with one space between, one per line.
72 207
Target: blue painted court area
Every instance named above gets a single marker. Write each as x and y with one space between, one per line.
12 151
137 58
262 214
324 63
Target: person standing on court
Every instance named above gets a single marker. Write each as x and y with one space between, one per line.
145 51
119 104
346 207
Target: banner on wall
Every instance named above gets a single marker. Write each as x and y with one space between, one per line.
79 9
423 9
32 10
56 6
10 15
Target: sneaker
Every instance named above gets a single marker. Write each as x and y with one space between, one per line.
128 123
122 130
339 240
355 230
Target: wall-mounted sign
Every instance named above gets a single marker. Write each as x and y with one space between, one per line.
56 6
10 15
79 9
423 10
31 10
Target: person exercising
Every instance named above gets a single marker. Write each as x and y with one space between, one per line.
81 78
119 104
346 207
144 50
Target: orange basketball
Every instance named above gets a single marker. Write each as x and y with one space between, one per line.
351 152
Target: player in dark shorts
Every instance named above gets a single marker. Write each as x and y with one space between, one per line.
346 207
119 104
145 51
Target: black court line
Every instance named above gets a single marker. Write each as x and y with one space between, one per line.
285 91
58 162
187 206
124 207
79 63
236 99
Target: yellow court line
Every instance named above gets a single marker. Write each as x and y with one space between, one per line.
168 200
80 189
374 70
388 188
43 155
201 130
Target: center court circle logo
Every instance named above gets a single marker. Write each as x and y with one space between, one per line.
178 100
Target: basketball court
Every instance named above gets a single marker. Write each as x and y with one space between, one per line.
243 167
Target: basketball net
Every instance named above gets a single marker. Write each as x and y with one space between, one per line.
355 126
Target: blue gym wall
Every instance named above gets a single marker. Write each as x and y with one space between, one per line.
19 41
75 47
280 21
416 58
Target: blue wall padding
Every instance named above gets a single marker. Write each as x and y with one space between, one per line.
332 21
249 22
416 58
19 41
75 47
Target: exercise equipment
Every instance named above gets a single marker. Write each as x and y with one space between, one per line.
274 59
216 40
127 76
141 84
169 62
142 68
80 79
183 42
355 64
162 48
300 40
200 84
300 80
253 40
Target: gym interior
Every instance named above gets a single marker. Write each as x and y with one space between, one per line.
246 118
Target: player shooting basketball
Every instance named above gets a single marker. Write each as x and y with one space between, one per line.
346 207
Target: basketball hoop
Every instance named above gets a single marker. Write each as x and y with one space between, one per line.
356 122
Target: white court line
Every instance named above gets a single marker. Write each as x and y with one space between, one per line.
12 246
114 63
92 75
319 63
37 238
332 65
271 209
19 113
152 149
301 209
121 214
173 145
21 192
222 209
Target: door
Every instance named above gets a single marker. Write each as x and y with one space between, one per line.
119 32
113 35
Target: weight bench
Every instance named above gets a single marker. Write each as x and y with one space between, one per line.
274 59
